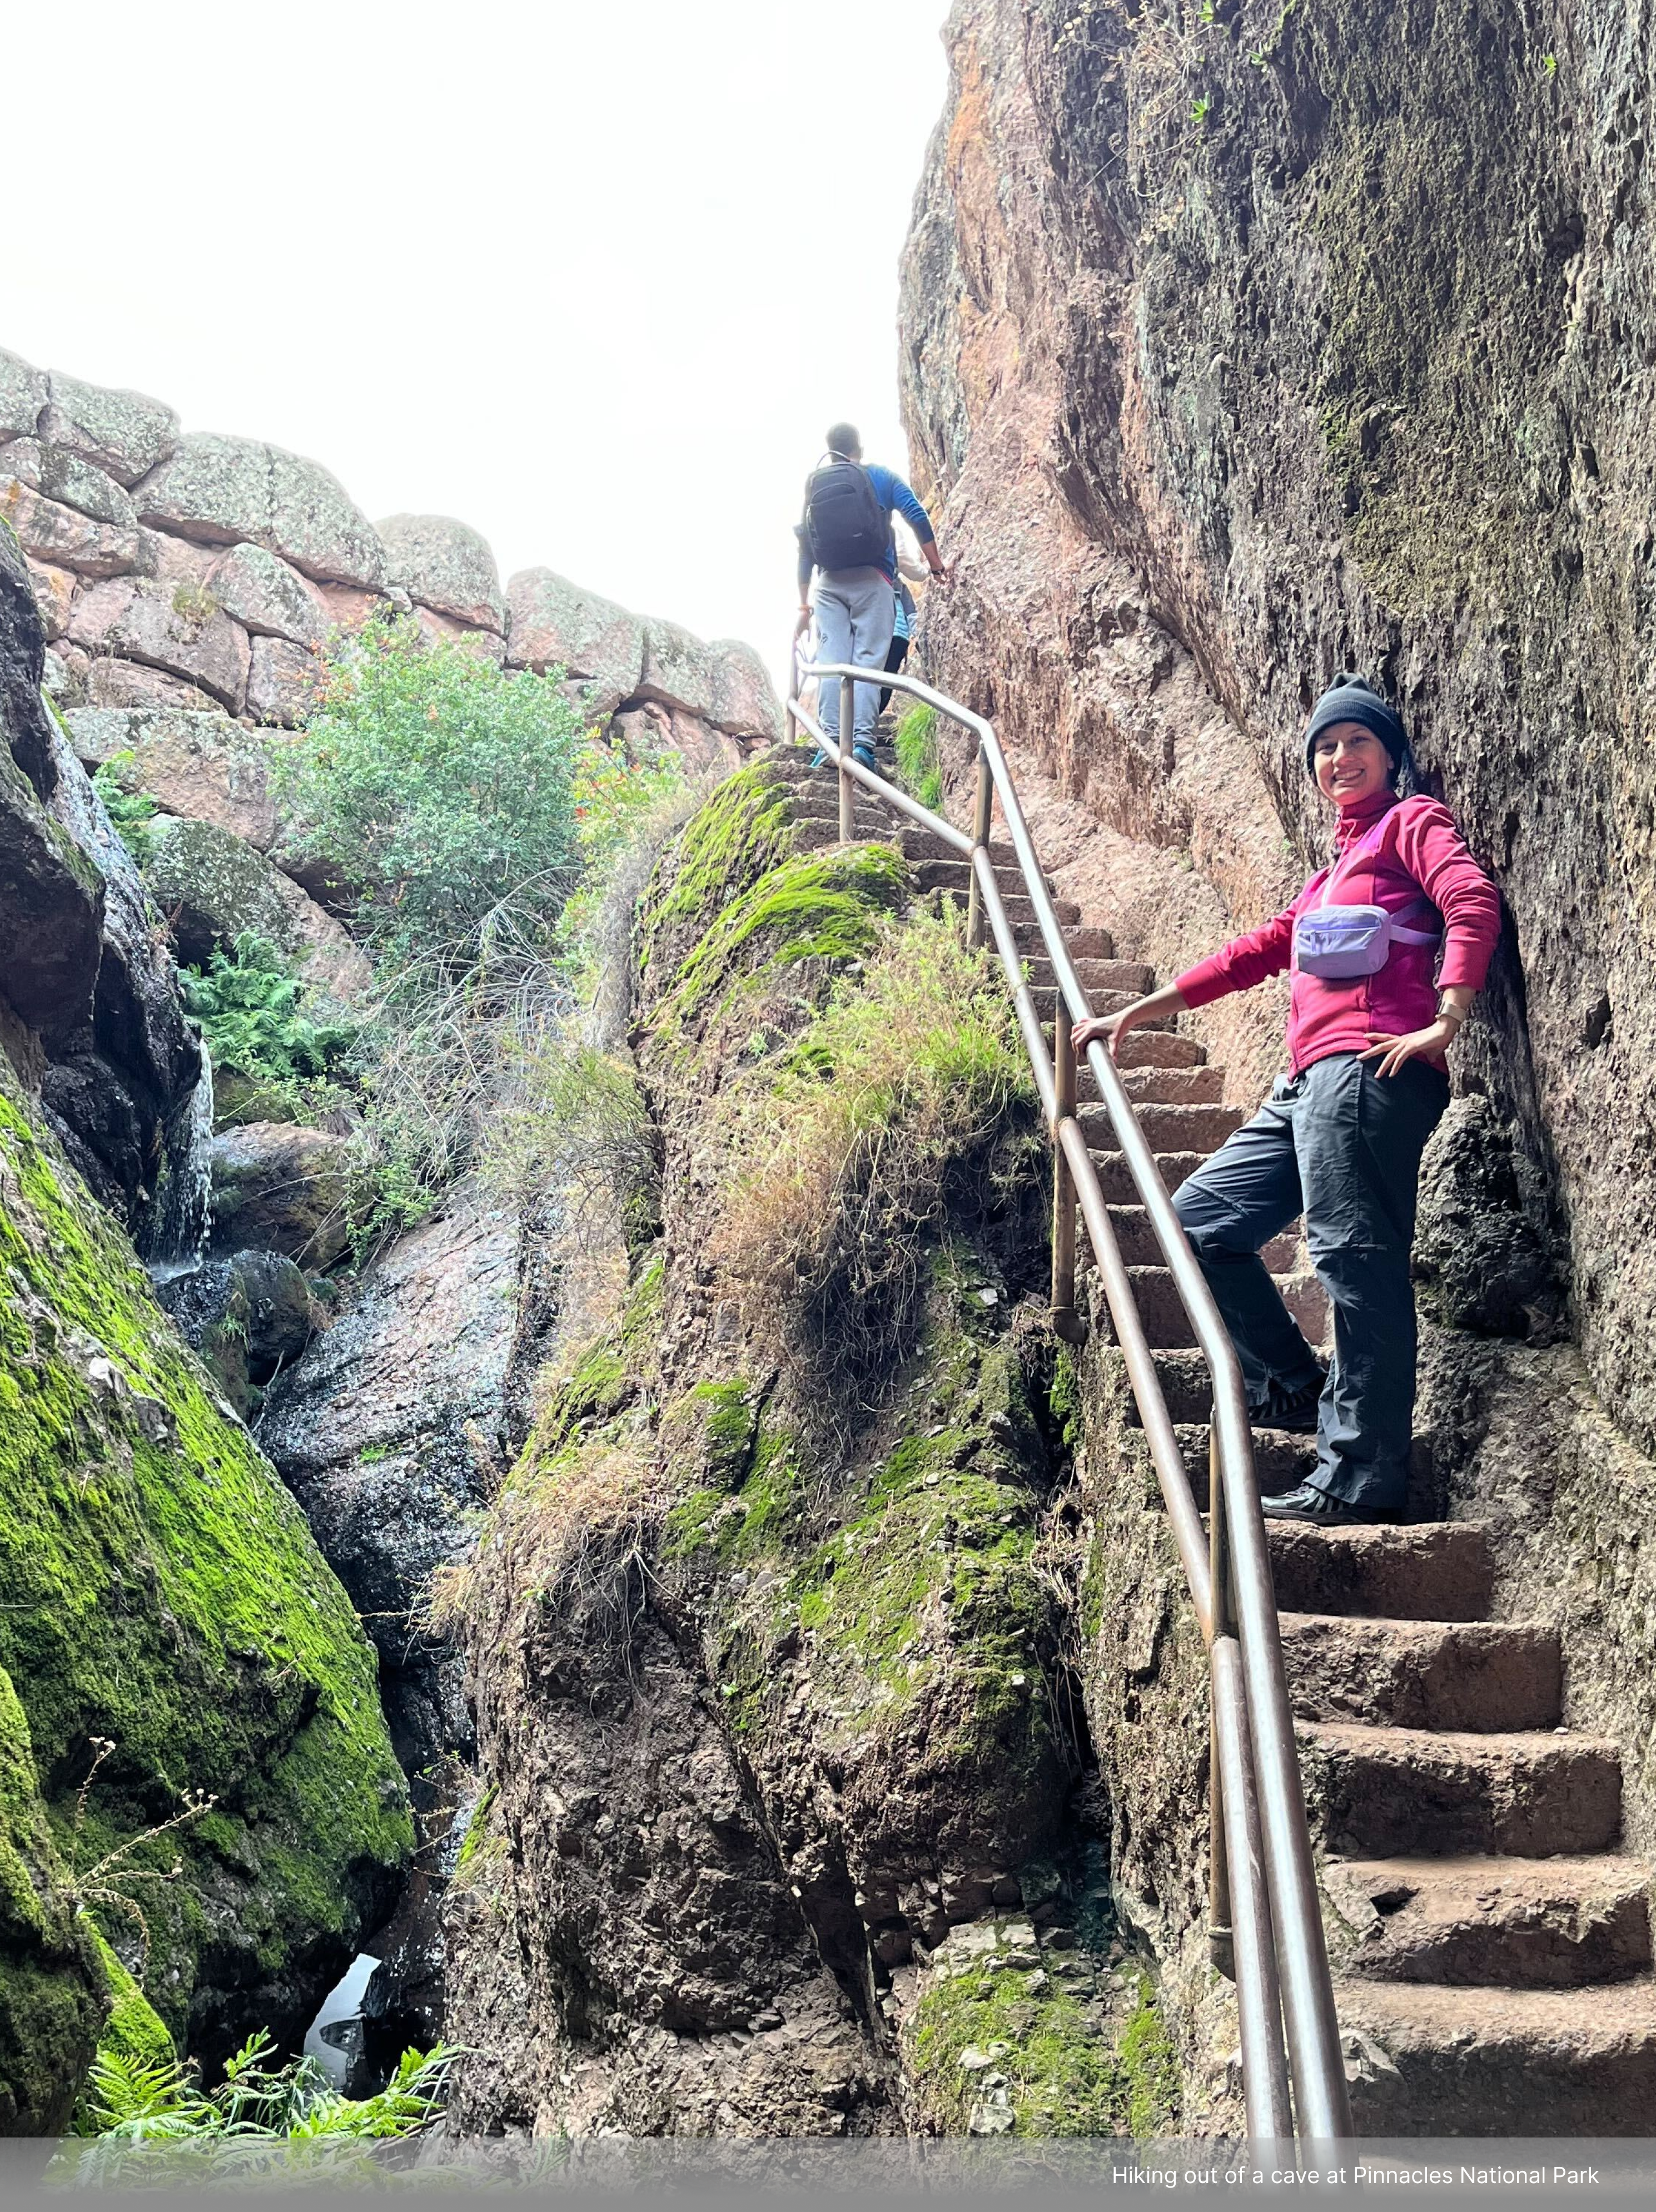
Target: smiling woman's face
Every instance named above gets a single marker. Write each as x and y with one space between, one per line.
1351 765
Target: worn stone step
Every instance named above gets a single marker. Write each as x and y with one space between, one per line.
1477 1675
1167 1324
1511 1922
1080 941
1494 2062
1173 1086
1432 1571
1394 1792
1118 1186
1156 1049
1182 1127
1139 1248
955 875
1280 1460
1131 976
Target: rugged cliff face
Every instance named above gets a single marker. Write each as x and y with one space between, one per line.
1239 351
165 1599
786 1825
1239 344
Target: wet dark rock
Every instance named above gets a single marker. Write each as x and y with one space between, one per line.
281 1188
389 1432
250 1316
1477 1256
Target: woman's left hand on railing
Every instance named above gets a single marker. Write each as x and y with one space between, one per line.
1108 1030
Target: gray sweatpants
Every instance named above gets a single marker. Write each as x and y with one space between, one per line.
856 609
1342 1146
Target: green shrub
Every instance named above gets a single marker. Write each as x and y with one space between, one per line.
251 1011
439 785
920 764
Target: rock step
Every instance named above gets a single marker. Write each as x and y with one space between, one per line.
1139 1248
1097 975
1173 1086
1181 1127
1396 1792
817 827
1081 943
1169 1327
1512 1923
1280 1460
1469 1675
1430 1570
1500 2062
1148 1047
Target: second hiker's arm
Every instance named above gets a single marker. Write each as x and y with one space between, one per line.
1108 1030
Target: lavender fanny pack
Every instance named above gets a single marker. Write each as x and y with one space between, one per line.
1338 942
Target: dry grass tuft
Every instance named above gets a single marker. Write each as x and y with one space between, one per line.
909 1097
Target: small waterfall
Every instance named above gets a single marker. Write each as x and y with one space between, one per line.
181 1216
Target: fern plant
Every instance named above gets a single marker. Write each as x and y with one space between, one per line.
250 1007
130 809
136 2100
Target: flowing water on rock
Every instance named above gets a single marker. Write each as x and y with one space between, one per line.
335 2036
181 1217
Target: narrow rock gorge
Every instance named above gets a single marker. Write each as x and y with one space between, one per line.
656 1580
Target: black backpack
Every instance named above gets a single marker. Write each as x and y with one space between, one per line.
845 525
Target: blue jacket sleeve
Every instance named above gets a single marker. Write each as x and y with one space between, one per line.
911 512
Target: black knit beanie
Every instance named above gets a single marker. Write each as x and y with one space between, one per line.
1354 699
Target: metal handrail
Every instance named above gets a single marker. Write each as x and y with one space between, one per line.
1265 1923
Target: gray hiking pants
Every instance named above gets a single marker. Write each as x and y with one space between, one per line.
855 611
1340 1146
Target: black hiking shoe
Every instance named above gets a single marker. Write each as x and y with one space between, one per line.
1295 1416
1316 1506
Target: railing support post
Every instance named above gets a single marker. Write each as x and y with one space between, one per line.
1065 1320
981 812
1220 1947
847 738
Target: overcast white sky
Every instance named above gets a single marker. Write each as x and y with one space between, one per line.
561 271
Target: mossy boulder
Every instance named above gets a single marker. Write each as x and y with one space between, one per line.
51 1986
165 1595
213 885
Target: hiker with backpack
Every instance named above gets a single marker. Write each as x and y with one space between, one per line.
846 541
1386 947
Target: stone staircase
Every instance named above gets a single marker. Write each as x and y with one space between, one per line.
1491 1945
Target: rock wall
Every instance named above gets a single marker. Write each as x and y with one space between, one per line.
89 1011
164 1597
783 1826
1235 353
190 571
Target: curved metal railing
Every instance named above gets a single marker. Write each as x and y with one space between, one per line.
1266 1924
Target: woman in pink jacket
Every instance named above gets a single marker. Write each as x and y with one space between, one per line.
1386 947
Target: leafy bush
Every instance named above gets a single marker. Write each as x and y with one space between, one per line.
250 1007
130 809
920 764
131 2100
436 783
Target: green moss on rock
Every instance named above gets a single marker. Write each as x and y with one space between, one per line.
51 1988
1061 2077
164 1591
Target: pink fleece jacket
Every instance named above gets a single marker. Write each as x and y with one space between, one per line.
1418 853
